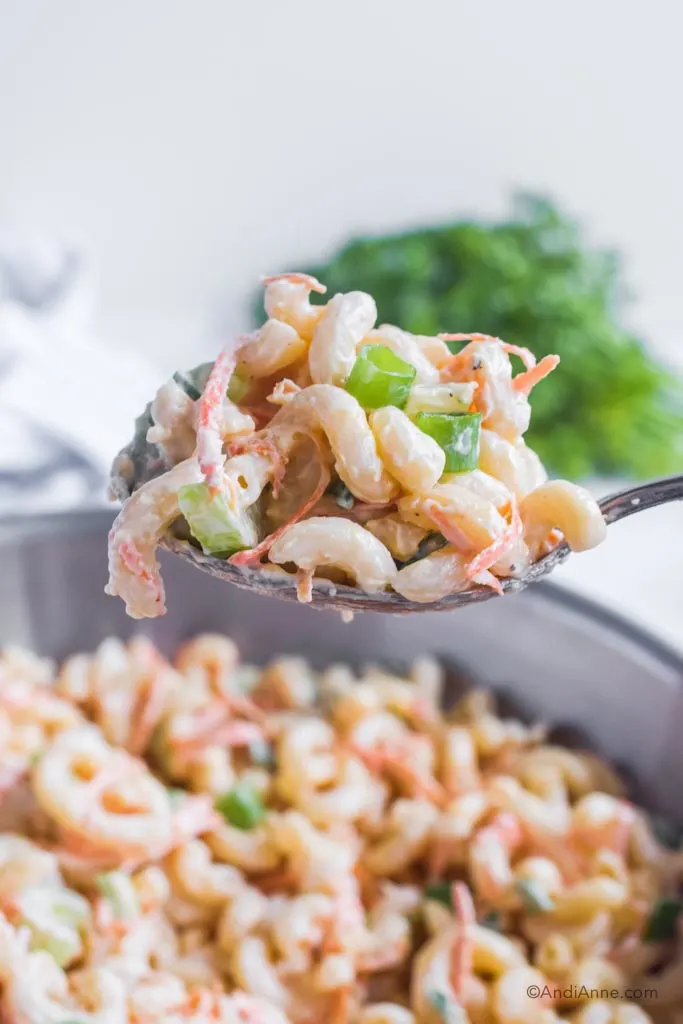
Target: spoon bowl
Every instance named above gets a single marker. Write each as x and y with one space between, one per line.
141 461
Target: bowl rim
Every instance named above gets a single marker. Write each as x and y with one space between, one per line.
18 528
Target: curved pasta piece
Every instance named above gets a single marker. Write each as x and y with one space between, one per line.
466 519
272 348
348 318
288 298
173 428
411 456
345 425
564 506
481 484
213 406
503 409
442 573
133 539
403 539
340 543
514 464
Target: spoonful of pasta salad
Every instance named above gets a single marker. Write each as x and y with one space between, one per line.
324 459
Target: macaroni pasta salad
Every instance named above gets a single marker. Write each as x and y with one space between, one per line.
322 445
205 841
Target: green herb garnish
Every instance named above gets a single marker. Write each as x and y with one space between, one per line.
242 806
661 925
534 897
492 921
531 280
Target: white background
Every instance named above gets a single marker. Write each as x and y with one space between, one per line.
190 145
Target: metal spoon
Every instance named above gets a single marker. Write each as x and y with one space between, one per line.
141 461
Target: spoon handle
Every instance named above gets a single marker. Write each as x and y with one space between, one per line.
643 496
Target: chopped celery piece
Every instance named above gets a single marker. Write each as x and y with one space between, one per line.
117 887
457 435
241 806
379 377
219 529
440 398
661 926
536 900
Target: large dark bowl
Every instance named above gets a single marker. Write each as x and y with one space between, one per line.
555 655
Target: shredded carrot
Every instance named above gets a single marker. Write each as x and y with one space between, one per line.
524 382
451 531
462 950
297 278
256 553
391 757
478 568
210 417
341 1006
149 707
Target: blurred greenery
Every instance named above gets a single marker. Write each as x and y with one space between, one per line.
610 408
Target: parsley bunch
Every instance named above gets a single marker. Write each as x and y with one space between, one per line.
610 408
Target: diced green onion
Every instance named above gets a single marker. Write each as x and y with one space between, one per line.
492 921
534 897
457 435
238 387
241 806
342 495
175 795
379 377
445 398
661 926
666 832
441 892
219 529
117 888
262 754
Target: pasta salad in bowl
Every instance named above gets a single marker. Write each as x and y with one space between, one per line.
200 840
324 450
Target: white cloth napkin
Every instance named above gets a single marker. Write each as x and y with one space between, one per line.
66 403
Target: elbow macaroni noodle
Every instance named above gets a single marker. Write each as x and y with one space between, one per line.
201 841
375 462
